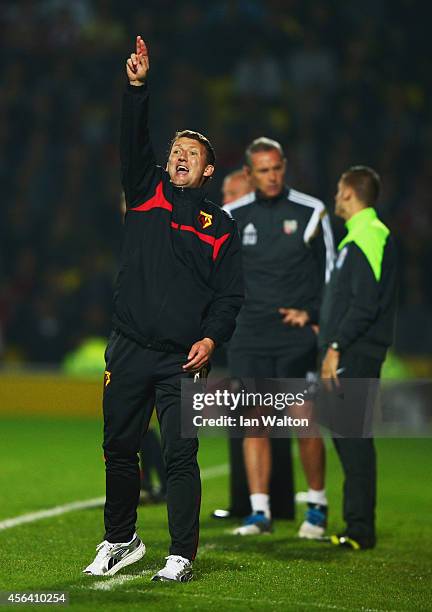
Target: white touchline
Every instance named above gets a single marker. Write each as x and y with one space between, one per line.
111 583
31 517
41 514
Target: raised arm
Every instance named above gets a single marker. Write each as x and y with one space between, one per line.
138 164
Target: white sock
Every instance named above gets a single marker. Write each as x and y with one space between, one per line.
317 497
260 502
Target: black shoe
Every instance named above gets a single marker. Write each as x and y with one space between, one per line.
345 541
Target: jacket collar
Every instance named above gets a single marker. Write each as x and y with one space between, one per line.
361 218
190 194
268 201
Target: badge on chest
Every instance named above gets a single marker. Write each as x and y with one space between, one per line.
249 235
290 226
205 219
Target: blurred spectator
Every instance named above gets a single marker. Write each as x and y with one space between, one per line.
337 83
258 75
311 67
235 185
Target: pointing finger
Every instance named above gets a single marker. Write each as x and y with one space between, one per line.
142 47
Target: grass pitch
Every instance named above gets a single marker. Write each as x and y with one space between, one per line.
46 462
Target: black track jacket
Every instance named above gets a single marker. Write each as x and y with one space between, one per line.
180 275
359 305
288 253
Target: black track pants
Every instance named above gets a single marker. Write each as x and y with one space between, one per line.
136 380
358 459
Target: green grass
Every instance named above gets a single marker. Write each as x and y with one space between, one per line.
45 462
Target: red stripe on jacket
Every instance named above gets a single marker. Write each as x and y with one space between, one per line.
160 201
216 243
157 201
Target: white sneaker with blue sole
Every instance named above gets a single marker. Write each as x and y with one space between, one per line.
315 523
255 524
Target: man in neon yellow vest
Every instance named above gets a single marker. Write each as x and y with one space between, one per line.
356 329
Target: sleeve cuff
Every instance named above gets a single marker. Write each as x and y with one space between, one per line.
133 89
313 315
340 341
213 335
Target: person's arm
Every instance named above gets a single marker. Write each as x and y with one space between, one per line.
364 302
138 164
319 237
322 245
227 284
361 313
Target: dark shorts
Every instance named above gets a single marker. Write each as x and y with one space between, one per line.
257 373
292 364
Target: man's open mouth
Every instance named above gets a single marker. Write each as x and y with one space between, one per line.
182 170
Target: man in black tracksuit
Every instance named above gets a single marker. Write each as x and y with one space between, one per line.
356 329
287 253
177 295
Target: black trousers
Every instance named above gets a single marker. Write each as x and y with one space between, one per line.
358 459
249 364
136 380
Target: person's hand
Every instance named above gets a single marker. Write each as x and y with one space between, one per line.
329 368
294 317
138 64
199 354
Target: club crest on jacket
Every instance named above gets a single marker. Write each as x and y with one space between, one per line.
290 226
250 236
205 219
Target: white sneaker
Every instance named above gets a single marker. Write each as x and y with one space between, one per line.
111 558
315 523
176 568
254 524
308 531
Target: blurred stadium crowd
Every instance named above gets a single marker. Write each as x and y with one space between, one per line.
337 83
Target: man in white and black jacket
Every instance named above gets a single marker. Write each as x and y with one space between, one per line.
287 254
